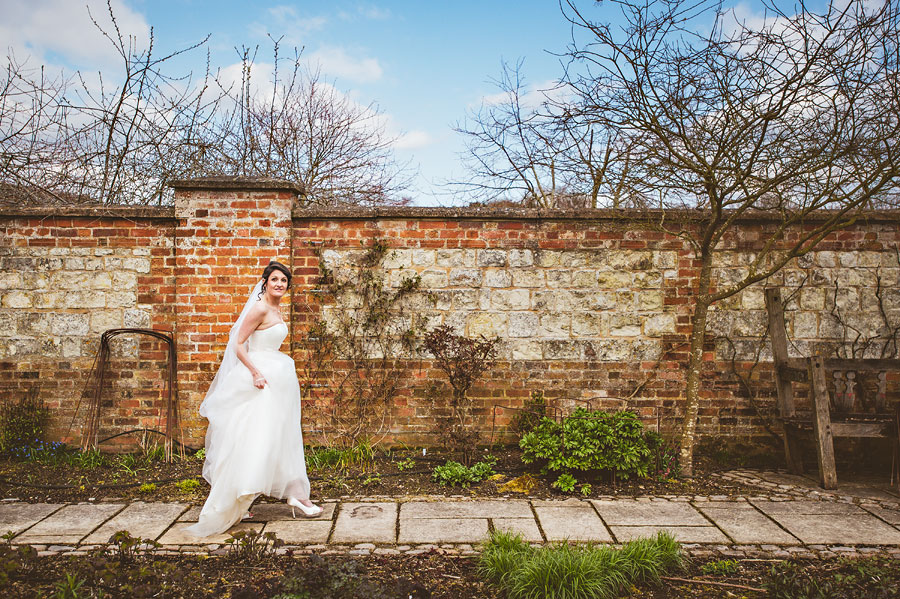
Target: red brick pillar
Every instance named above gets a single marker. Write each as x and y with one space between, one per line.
228 229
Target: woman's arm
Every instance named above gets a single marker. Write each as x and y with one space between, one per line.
254 318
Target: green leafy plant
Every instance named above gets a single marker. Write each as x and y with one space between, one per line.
586 489
371 480
872 577
252 546
188 485
590 441
15 560
455 474
147 488
127 547
533 410
405 464
463 361
565 482
575 571
342 458
200 454
89 459
721 567
68 587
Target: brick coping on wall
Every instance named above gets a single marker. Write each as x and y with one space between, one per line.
400 212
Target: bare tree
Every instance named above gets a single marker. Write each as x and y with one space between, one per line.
796 121
538 148
303 129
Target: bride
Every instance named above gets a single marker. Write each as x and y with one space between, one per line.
254 445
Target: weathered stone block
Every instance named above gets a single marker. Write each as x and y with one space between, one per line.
527 277
812 299
805 325
520 258
587 324
608 350
649 300
591 300
455 258
10 280
31 324
659 324
558 349
397 277
557 278
525 349
49 299
547 258
489 324
433 279
394 259
614 279
134 318
648 279
510 299
121 299
16 299
584 278
497 278
423 257
555 324
665 259
465 277
122 280
102 280
523 324
624 325
625 260
102 320
69 324
491 258
8 324
753 298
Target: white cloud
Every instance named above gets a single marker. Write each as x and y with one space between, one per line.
365 11
334 61
62 31
413 140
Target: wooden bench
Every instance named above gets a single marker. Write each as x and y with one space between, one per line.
882 421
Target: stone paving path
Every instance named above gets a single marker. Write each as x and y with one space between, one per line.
732 526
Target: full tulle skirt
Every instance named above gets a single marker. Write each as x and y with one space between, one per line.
254 443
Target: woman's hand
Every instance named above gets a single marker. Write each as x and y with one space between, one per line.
259 381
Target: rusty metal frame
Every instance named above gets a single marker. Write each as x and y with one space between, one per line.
98 372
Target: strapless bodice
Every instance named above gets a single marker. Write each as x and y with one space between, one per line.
269 339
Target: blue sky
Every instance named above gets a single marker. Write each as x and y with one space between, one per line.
423 63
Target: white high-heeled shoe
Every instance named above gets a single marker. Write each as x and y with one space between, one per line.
309 511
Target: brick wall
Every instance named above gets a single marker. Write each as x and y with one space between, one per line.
589 310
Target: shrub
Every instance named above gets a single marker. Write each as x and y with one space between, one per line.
251 546
22 424
590 440
188 485
533 411
575 572
320 578
147 488
457 475
875 577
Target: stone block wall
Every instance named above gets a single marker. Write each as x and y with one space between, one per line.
591 309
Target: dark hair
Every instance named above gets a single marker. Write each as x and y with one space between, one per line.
272 267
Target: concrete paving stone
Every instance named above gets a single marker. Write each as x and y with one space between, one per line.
443 530
515 508
839 529
141 520
625 512
268 512
572 523
570 502
745 525
682 534
192 515
178 536
16 517
526 527
807 508
299 531
888 515
366 523
70 524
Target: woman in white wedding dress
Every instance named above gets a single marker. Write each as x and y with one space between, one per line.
254 445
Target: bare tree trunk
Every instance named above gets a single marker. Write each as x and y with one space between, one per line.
694 367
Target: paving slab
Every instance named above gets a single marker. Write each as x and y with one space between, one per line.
297 532
629 512
682 534
178 536
70 524
17 517
269 512
443 530
807 508
141 520
366 523
745 525
526 527
192 515
572 523
514 508
889 516
835 529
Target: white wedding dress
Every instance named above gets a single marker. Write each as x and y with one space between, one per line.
254 444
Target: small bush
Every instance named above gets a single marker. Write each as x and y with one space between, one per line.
721 567
876 577
533 411
252 546
455 474
320 578
590 440
22 424
147 488
188 485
